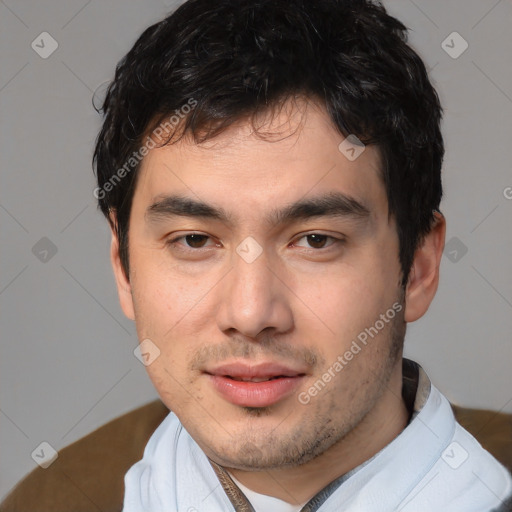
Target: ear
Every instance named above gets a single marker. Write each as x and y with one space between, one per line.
424 275
124 288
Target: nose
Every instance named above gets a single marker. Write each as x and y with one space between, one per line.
254 298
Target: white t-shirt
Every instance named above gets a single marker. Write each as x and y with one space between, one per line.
262 502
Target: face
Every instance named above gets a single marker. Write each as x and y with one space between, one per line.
257 266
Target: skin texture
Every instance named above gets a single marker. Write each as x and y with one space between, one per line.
299 303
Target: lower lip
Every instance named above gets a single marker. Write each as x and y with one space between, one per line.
255 394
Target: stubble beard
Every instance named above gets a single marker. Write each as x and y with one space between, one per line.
322 428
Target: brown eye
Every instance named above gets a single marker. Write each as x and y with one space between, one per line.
317 241
196 241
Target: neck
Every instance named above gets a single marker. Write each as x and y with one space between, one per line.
378 428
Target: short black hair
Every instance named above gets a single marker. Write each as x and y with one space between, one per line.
231 59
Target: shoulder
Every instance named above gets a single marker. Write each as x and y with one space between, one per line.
465 476
88 474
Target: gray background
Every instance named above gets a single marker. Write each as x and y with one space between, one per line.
67 361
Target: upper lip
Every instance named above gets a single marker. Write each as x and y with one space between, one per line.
244 370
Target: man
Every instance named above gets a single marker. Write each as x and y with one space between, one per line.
271 174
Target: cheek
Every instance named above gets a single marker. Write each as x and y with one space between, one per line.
344 304
174 311
347 310
165 298
166 312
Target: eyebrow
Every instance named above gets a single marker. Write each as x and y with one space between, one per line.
334 204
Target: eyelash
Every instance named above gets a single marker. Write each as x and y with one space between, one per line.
174 242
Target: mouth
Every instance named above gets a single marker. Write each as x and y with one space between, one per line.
259 385
254 379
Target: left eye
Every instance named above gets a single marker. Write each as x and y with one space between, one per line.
317 241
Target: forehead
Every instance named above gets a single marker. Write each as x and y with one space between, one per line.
295 153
